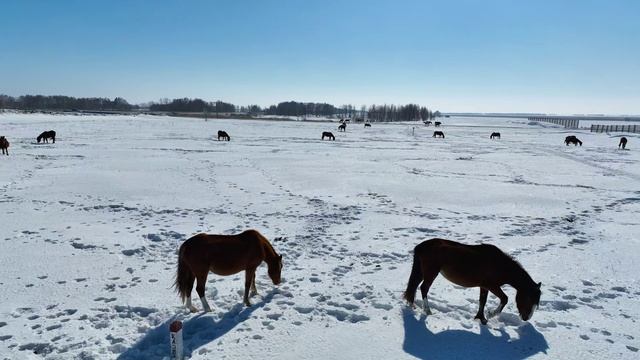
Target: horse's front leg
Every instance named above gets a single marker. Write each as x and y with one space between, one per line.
497 291
254 291
483 301
248 280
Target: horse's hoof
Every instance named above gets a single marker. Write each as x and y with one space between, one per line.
482 319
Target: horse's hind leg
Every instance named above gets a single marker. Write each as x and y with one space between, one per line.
503 301
201 282
429 274
483 301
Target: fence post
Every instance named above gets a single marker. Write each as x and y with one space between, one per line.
177 352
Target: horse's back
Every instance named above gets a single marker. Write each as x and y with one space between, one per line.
224 254
448 250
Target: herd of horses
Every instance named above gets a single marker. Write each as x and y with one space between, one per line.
484 266
43 137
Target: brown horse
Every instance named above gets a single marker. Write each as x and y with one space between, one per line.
494 135
342 127
623 143
224 255
438 134
437 124
4 145
427 122
223 135
47 135
571 139
328 135
367 125
483 266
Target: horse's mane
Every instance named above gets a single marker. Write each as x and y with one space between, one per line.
518 267
269 247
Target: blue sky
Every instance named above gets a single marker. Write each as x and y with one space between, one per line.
492 55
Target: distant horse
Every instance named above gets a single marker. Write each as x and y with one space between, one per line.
224 255
495 135
4 145
427 122
367 125
328 135
45 136
623 143
342 127
223 135
483 266
438 134
437 123
572 140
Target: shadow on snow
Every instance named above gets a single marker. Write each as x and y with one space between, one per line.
197 331
422 343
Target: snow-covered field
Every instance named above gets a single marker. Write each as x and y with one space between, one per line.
89 229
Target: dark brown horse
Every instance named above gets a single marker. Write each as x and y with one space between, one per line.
223 135
328 135
437 123
4 145
623 143
224 255
483 266
367 125
342 127
45 136
494 135
438 134
427 122
571 139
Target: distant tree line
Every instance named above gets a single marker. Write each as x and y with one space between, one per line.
192 105
59 102
293 108
409 112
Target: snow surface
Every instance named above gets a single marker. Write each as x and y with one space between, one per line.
90 227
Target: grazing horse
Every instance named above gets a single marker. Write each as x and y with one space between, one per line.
483 266
342 127
46 136
367 125
328 135
223 135
495 135
438 134
4 145
623 143
437 123
427 122
572 140
224 255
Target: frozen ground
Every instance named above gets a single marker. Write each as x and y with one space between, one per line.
90 227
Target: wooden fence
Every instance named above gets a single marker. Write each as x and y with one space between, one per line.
567 123
615 128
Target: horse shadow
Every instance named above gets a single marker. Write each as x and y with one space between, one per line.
422 343
196 332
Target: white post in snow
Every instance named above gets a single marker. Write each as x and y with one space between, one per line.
175 331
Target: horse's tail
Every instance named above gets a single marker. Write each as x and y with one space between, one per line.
414 279
184 276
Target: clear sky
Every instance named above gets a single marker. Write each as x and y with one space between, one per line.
561 56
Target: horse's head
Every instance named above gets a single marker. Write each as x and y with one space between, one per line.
528 301
275 270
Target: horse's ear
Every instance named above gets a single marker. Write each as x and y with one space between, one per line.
280 257
539 284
